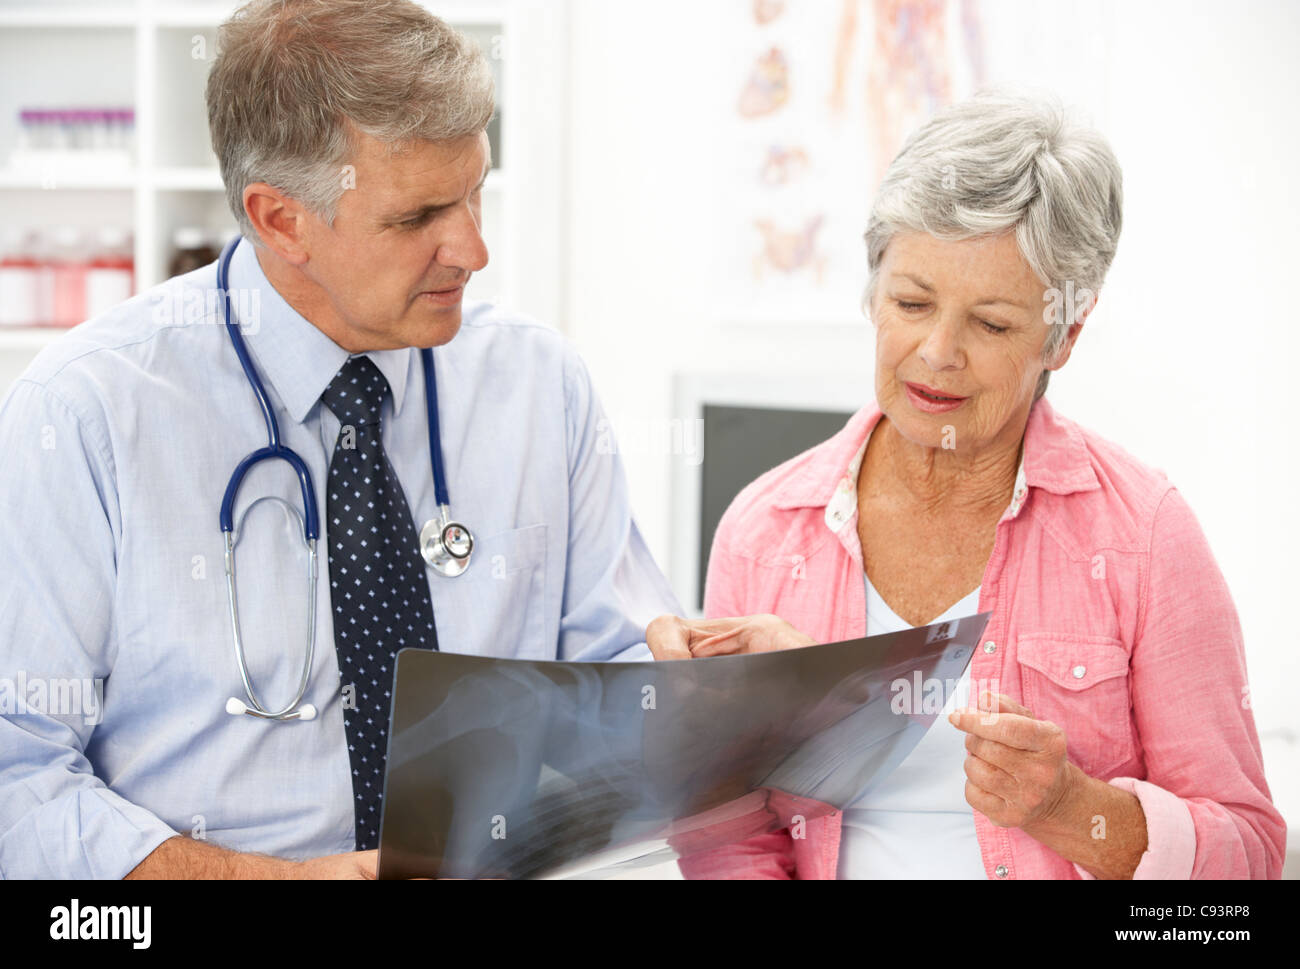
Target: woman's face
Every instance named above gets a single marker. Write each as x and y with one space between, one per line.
965 320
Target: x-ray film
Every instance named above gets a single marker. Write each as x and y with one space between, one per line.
506 768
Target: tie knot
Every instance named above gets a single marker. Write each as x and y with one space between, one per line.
356 394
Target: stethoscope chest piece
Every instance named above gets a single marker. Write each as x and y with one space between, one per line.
446 545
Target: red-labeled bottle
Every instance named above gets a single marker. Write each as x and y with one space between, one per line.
69 277
19 279
110 274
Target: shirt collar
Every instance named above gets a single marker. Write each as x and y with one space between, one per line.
293 355
1054 458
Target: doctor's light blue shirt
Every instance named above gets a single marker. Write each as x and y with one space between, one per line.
117 445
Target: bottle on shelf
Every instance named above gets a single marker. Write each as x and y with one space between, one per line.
68 277
19 279
91 138
192 249
110 274
64 275
120 131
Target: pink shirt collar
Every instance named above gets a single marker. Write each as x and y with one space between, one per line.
1054 459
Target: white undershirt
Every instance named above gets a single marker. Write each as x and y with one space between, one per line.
917 824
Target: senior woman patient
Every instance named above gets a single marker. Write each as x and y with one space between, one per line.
1122 747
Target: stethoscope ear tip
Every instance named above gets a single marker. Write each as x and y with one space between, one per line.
306 712
235 707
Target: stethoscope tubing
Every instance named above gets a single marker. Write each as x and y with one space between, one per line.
276 451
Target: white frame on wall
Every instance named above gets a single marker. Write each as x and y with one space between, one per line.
691 392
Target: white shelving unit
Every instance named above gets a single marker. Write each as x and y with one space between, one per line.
154 55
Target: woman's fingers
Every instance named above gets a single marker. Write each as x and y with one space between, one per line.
751 634
719 644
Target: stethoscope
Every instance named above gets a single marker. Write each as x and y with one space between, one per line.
445 544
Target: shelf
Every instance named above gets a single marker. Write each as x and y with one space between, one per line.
68 179
29 337
188 179
138 52
82 16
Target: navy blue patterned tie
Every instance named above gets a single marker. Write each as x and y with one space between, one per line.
378 583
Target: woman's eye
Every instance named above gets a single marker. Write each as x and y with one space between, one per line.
993 329
904 305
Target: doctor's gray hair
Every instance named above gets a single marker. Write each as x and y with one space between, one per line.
1002 161
294 80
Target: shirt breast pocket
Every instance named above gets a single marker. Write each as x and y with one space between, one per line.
502 598
1080 683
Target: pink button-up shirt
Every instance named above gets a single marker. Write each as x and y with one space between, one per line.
1110 618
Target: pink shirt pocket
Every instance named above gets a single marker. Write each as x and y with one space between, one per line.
1081 680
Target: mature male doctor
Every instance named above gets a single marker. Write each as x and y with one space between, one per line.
351 138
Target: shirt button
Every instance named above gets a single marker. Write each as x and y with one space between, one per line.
1078 672
1000 871
990 647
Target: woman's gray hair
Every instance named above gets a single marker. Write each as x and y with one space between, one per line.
1002 161
295 79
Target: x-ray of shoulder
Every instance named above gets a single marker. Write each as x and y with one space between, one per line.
505 768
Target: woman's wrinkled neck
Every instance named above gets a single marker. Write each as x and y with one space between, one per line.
940 480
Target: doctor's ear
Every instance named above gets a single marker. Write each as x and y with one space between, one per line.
280 221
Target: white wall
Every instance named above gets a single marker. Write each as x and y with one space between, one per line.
1187 360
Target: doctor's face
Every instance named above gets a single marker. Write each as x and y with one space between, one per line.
406 237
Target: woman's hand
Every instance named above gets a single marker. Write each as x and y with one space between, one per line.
671 637
1018 776
1017 772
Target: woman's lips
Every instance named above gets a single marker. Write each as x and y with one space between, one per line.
917 394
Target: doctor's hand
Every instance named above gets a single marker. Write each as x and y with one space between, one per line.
353 865
671 637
